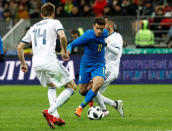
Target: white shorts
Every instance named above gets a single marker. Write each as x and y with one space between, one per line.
55 73
109 77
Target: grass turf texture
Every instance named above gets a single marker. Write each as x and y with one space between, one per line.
147 108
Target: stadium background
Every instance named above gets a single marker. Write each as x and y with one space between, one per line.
148 107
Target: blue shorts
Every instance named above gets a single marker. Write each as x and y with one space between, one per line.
86 73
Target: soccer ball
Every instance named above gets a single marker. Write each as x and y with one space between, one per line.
95 113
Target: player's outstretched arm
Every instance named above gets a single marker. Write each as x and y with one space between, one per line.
20 52
79 41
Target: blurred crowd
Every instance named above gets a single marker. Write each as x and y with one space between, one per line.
10 9
18 9
159 12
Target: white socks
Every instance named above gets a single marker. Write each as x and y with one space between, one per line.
99 100
102 100
108 101
61 99
52 99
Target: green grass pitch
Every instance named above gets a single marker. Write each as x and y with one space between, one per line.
147 108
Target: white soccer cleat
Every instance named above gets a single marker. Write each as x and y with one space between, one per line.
105 113
119 107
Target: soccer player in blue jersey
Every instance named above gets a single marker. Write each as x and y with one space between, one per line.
92 65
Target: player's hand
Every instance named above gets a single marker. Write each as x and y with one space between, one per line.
24 68
65 57
68 52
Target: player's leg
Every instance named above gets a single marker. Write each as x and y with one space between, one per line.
109 78
52 98
97 75
84 79
99 100
97 82
41 75
102 100
59 76
83 89
70 88
90 84
118 104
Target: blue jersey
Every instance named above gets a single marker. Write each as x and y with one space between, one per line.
93 48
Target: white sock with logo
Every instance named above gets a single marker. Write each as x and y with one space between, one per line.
52 99
61 99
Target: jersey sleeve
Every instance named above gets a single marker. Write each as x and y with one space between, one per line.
115 45
79 41
105 31
58 26
27 38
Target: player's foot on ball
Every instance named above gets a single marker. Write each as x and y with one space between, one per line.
119 107
49 118
58 121
105 113
78 111
90 103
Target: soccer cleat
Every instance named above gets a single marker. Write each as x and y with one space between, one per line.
58 121
105 113
49 118
90 103
119 107
78 111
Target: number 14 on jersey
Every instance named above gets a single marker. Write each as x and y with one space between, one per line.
38 33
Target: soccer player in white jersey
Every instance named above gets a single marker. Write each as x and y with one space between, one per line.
113 54
49 70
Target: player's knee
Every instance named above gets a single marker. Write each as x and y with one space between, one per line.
71 85
96 87
82 92
51 85
74 87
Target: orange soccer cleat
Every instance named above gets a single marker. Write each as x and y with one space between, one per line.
78 111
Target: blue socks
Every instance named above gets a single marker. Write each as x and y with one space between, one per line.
89 96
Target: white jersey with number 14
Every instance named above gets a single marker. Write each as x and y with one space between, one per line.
43 36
